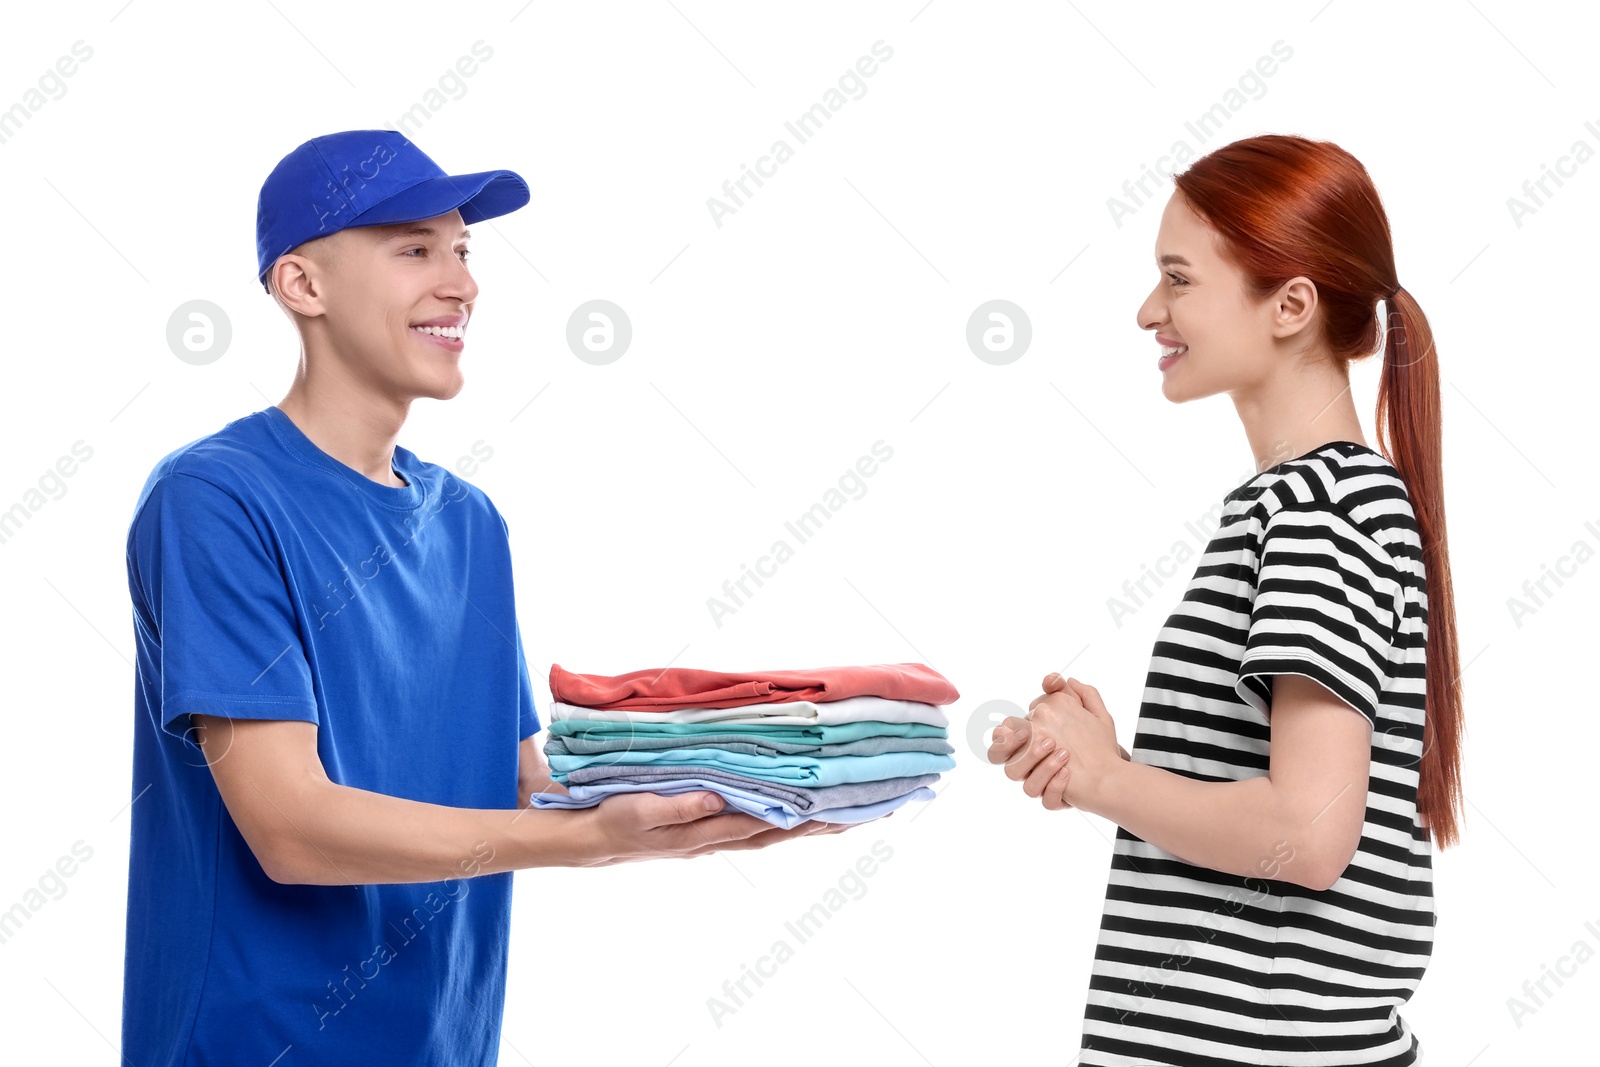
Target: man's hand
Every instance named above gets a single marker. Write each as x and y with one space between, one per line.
629 827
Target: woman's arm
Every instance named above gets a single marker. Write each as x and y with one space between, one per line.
1301 822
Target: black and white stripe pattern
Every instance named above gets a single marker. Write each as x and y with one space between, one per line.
1316 569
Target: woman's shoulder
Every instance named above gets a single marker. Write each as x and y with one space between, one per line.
1346 479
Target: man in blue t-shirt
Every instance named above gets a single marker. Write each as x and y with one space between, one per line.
333 747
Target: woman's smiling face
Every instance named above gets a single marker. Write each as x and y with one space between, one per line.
1200 302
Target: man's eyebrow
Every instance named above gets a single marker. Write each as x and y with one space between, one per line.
1169 260
422 231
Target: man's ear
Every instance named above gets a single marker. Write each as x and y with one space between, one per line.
294 286
272 291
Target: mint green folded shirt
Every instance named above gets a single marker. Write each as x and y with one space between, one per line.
805 770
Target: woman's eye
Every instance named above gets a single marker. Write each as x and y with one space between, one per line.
1177 280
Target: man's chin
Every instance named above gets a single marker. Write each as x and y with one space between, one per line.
436 386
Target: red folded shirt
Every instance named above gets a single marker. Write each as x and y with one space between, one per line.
672 688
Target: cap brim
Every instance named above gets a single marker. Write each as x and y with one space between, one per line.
483 195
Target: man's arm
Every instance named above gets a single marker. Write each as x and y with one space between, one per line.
533 773
305 828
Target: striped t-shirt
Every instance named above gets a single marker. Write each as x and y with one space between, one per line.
1316 569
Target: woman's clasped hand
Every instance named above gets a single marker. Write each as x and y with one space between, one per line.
1064 747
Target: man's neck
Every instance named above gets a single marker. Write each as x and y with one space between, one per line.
361 436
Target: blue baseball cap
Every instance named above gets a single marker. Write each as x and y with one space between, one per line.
368 178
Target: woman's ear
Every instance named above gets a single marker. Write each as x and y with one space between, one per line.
1294 306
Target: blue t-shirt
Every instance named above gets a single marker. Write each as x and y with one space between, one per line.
271 581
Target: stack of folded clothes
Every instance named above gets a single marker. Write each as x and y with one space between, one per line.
836 744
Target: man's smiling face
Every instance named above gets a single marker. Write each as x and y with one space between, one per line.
391 304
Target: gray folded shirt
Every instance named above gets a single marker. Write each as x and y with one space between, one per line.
802 798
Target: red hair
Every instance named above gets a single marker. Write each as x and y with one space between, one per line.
1287 206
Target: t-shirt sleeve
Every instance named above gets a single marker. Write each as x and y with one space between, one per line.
230 643
1328 603
527 713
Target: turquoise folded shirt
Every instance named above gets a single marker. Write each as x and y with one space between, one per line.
805 770
750 744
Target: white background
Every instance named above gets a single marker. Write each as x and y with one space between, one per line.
768 355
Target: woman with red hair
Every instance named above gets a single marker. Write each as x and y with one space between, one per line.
1296 757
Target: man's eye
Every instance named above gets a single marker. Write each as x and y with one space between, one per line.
464 253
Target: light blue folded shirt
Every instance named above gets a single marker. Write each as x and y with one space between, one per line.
769 809
804 770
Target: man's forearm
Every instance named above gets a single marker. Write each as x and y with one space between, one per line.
339 835
1238 828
